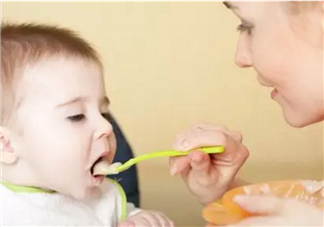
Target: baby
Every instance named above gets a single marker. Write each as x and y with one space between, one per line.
53 131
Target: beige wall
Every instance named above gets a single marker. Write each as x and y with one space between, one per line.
169 65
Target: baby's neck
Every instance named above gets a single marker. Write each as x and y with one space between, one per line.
25 189
20 176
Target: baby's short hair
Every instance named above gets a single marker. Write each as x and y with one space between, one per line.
23 45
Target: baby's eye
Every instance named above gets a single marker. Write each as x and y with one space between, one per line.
77 118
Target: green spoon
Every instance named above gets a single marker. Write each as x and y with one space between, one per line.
104 168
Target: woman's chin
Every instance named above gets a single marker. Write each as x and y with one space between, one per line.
299 120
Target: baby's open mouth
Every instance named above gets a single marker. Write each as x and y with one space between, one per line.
92 170
102 167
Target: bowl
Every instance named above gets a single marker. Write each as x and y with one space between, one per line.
226 211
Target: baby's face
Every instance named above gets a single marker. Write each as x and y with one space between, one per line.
64 131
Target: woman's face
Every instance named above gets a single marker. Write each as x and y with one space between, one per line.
284 44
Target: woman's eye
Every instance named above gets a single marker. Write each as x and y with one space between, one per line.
77 118
244 28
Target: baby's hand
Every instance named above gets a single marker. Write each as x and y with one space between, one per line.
147 219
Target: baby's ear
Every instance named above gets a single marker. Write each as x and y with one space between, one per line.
8 155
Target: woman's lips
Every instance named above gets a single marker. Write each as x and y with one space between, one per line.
274 93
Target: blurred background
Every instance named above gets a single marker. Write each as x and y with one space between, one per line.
170 65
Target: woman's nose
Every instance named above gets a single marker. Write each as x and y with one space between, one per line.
243 56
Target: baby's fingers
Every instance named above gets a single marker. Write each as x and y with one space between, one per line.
164 220
126 224
151 220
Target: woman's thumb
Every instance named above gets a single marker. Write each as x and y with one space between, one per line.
199 161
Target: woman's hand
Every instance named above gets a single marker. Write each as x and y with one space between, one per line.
208 177
280 212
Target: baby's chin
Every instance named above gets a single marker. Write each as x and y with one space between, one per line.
86 194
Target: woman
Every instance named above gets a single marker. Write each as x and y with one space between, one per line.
283 41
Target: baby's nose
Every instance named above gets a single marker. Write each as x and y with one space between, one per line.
105 129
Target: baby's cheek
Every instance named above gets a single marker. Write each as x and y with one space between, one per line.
111 156
83 146
112 146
